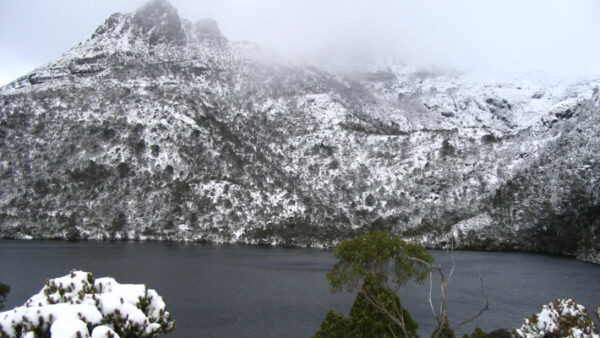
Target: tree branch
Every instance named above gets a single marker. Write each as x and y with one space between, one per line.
392 331
485 308
382 308
430 296
452 260
400 315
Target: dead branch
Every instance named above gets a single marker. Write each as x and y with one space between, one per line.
485 307
430 296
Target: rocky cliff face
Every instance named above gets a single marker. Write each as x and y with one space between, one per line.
157 128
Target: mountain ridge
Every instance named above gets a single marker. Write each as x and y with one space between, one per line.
157 128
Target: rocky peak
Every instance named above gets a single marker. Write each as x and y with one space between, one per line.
111 25
207 29
159 22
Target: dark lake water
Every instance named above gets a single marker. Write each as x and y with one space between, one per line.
242 291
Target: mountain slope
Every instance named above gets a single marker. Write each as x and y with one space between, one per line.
162 129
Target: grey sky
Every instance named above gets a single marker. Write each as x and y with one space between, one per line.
560 37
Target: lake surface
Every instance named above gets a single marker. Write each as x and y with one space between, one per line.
243 291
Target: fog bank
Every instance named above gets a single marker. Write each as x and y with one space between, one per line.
557 37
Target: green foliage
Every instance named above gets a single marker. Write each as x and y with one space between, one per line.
365 320
499 333
445 331
375 264
334 326
373 254
368 321
479 333
4 290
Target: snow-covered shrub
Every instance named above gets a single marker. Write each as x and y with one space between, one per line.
566 319
78 305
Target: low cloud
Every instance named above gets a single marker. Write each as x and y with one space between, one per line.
548 35
559 37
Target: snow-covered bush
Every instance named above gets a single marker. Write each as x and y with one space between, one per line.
566 319
78 305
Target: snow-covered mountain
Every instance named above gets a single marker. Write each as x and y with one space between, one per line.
157 128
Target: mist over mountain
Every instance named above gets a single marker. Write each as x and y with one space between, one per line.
160 128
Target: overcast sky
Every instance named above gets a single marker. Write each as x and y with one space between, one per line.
559 37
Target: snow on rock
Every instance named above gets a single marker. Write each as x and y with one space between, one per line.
77 305
566 319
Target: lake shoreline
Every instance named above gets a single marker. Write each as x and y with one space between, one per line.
283 246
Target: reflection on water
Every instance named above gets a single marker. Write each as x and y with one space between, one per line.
242 291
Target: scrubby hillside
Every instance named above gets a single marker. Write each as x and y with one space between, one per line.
159 128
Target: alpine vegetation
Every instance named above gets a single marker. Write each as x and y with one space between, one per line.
79 305
159 128
566 318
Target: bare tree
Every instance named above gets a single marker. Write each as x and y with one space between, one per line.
441 315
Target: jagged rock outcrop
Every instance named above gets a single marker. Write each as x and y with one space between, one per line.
159 22
162 129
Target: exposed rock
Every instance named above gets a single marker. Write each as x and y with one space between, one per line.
159 21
